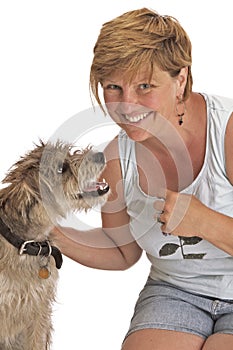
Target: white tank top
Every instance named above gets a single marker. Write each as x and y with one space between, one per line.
190 263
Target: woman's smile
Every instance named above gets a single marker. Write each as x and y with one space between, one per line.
136 118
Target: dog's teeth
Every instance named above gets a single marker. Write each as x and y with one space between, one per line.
103 185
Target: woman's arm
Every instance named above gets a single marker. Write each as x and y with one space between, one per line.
184 215
95 249
110 247
229 150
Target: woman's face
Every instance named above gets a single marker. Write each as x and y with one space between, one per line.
136 106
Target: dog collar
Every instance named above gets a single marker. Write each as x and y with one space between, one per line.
31 247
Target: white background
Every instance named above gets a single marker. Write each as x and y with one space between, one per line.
46 51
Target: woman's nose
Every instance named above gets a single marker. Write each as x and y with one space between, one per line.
127 108
129 96
129 101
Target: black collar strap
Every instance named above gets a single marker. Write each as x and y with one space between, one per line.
31 247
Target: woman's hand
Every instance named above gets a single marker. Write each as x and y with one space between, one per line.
181 214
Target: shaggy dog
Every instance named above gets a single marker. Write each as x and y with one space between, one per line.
41 188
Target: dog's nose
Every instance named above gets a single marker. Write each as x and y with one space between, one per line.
99 157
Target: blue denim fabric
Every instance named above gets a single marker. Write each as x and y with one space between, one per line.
163 306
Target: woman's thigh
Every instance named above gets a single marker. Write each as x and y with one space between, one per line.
219 341
157 339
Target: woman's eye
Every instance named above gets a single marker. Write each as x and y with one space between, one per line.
144 86
112 87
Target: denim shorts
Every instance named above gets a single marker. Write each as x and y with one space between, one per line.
163 306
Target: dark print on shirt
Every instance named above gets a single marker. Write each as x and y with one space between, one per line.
171 248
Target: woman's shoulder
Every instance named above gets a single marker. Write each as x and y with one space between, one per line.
218 102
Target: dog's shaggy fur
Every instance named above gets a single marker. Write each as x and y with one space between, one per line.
40 188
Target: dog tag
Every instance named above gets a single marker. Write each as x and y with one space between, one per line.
44 272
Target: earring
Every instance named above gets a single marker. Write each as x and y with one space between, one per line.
180 111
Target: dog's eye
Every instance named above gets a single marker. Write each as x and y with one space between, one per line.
62 167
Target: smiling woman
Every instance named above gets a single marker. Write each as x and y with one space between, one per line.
166 148
47 52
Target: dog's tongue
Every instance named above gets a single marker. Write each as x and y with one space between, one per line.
101 185
96 186
95 189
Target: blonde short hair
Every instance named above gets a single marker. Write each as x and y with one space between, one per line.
140 37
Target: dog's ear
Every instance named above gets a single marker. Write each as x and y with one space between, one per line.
22 192
19 200
27 166
22 198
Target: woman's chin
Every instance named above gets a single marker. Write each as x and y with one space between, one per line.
137 135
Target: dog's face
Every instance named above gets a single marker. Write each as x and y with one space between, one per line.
72 177
58 177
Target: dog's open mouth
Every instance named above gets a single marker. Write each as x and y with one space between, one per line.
94 189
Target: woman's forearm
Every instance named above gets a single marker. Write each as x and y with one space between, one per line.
218 230
185 215
92 248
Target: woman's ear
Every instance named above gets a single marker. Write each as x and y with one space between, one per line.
182 81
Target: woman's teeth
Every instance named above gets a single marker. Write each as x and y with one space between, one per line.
137 118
